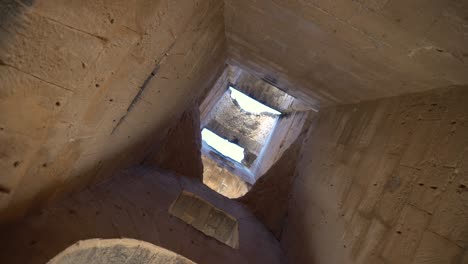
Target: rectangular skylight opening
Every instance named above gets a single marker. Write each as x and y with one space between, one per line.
251 105
223 146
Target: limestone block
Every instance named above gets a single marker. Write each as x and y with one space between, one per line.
395 194
435 249
450 142
206 218
450 217
402 13
429 186
117 251
449 31
51 51
420 143
372 242
355 232
376 184
405 236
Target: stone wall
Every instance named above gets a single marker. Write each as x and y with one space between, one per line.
384 181
180 150
268 198
233 123
89 86
336 52
222 180
117 251
286 131
135 204
266 93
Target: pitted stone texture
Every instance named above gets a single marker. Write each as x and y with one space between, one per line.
221 179
231 122
332 52
180 150
135 204
268 198
383 182
91 87
206 218
117 251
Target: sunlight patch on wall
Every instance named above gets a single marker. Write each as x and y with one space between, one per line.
249 104
223 146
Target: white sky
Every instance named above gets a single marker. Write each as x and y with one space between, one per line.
249 104
225 147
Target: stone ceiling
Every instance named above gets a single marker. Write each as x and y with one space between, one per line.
343 51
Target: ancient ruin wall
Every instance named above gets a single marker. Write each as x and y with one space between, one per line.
222 180
135 204
384 182
88 86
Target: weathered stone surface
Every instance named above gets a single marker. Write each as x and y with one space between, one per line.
405 236
117 251
436 249
396 194
345 52
450 217
180 150
89 88
268 198
222 180
266 93
135 204
287 129
248 130
208 219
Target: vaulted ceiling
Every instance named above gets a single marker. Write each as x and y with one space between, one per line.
345 51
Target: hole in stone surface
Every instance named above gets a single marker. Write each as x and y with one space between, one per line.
253 123
57 103
16 164
233 140
4 189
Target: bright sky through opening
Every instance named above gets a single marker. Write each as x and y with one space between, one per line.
249 104
224 147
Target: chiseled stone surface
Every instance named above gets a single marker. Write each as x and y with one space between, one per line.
205 217
117 251
180 149
220 178
249 130
268 198
436 249
135 204
348 51
90 87
391 189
